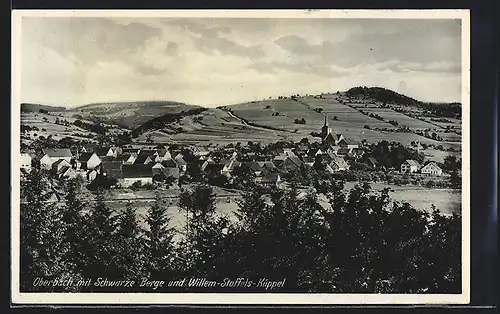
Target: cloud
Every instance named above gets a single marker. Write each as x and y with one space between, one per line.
219 61
209 39
90 40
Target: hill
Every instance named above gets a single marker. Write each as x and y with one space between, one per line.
28 107
372 115
129 114
387 96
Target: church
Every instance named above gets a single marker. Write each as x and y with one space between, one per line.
328 139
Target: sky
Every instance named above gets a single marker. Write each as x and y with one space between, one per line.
219 61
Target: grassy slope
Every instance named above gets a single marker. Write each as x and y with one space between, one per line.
130 114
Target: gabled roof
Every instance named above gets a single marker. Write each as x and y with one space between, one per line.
141 159
57 163
63 170
102 151
57 152
179 159
253 165
214 168
269 165
110 159
137 171
432 164
340 162
84 157
270 178
307 159
295 160
169 163
113 169
412 162
126 157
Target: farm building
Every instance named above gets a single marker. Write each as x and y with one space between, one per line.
432 169
410 166
136 173
50 156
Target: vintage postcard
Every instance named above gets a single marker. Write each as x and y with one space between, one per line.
240 157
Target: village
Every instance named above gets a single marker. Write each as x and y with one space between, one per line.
136 165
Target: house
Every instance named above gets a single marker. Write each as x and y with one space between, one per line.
200 151
67 172
214 170
205 163
105 151
228 165
59 165
142 173
410 166
145 158
254 167
169 169
25 161
346 143
270 179
308 160
88 161
131 150
337 164
268 167
292 162
372 162
315 152
52 155
89 148
164 154
181 163
111 168
128 158
432 169
91 175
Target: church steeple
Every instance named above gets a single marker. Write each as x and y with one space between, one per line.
325 130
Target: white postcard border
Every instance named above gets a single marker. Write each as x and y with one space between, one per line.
19 298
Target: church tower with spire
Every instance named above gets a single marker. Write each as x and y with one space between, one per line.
325 130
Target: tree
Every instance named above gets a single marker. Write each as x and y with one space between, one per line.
73 221
451 163
43 249
158 240
455 180
100 238
198 204
131 258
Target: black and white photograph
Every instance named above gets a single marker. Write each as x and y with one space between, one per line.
234 157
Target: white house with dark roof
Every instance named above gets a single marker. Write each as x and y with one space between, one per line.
432 169
52 155
410 166
88 161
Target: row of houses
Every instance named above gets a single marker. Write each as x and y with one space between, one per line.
132 164
412 166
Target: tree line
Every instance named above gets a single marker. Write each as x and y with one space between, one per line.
359 241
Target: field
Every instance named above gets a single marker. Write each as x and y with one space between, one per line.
47 126
401 119
446 200
129 114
